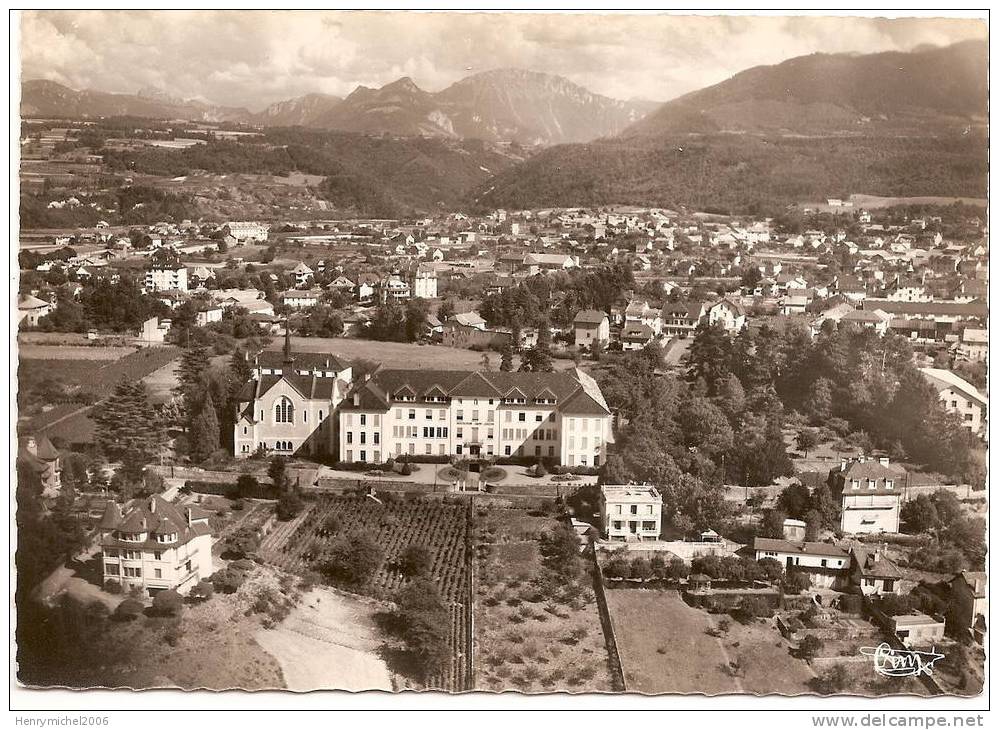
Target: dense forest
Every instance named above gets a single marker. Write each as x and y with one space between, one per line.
740 173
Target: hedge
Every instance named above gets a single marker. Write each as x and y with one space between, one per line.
229 489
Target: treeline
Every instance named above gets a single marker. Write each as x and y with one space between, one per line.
129 205
740 174
557 298
848 379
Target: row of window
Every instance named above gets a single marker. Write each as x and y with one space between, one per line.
363 437
871 483
647 525
648 509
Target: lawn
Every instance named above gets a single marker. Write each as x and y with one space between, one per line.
524 640
664 646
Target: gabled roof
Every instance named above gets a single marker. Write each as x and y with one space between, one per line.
873 565
824 549
946 380
589 316
154 516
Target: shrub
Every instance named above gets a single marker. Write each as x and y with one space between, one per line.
640 568
168 603
831 681
752 607
539 470
354 558
128 610
617 567
113 587
796 582
416 560
247 485
238 506
289 506
243 542
228 580
809 647
203 590
407 469
658 565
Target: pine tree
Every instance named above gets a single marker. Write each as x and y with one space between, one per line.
127 424
204 431
506 357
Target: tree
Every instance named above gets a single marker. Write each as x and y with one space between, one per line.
832 681
128 610
709 356
772 524
127 426
919 515
416 560
243 542
422 620
809 647
794 500
289 505
354 558
772 570
276 470
806 440
204 439
247 486
506 356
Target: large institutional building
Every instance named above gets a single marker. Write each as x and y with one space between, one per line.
309 403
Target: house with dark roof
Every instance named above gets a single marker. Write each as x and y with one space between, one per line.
827 565
872 572
969 594
870 494
559 417
155 545
591 328
37 453
287 405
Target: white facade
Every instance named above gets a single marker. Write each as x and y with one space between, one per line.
425 285
247 231
155 545
160 278
630 512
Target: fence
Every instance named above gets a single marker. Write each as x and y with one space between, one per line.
617 667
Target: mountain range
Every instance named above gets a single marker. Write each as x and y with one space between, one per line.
504 105
823 125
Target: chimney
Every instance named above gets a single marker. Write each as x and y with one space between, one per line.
152 504
357 399
883 460
190 519
842 465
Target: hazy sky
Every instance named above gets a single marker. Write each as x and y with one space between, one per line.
253 58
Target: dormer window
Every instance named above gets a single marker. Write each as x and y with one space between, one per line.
855 483
889 483
167 537
130 536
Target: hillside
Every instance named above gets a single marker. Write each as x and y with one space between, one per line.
372 176
893 124
822 93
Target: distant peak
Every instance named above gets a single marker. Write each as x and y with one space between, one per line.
403 84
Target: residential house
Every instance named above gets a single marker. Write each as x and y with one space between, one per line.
969 595
873 573
30 309
870 494
425 283
298 299
246 231
630 512
974 344
36 453
154 330
827 565
636 336
156 546
681 319
793 305
875 319
727 313
591 328
303 274
959 397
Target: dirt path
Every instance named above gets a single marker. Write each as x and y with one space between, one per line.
329 641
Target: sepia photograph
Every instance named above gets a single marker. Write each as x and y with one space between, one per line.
604 356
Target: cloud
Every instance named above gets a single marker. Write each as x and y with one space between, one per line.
254 58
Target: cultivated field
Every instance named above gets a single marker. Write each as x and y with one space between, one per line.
303 545
71 352
524 640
